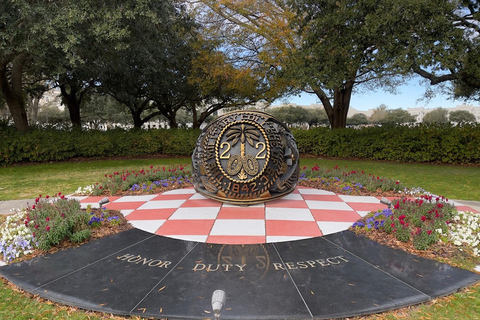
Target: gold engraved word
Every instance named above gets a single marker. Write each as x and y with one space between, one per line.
137 259
215 267
310 263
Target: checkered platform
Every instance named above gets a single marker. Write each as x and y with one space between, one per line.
186 214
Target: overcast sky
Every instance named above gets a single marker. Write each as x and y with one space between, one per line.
409 96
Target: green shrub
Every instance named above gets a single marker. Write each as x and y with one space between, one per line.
439 143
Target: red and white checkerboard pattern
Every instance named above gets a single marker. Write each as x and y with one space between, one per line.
186 214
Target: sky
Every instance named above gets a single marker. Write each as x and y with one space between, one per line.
408 96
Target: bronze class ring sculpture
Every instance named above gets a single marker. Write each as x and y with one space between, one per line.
245 157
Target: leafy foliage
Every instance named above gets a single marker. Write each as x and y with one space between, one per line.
439 115
421 143
461 116
51 222
56 145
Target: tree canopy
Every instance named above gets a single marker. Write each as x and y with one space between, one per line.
461 116
160 57
329 47
438 115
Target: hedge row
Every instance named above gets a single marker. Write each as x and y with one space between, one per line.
422 143
57 145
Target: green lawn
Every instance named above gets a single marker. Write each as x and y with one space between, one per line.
27 181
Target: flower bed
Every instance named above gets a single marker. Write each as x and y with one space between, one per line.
54 223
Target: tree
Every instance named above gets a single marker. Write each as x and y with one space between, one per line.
149 74
100 109
461 116
219 83
438 115
20 20
399 116
457 60
379 114
97 31
41 40
357 119
330 47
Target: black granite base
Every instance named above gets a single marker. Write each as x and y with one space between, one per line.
137 273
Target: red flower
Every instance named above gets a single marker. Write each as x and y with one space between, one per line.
36 226
397 182
47 228
48 219
397 205
392 225
33 207
402 217
424 218
402 222
429 232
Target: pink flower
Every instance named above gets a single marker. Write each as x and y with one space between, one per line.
47 228
392 225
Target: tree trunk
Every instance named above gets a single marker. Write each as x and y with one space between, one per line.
337 113
73 105
35 104
13 91
137 120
